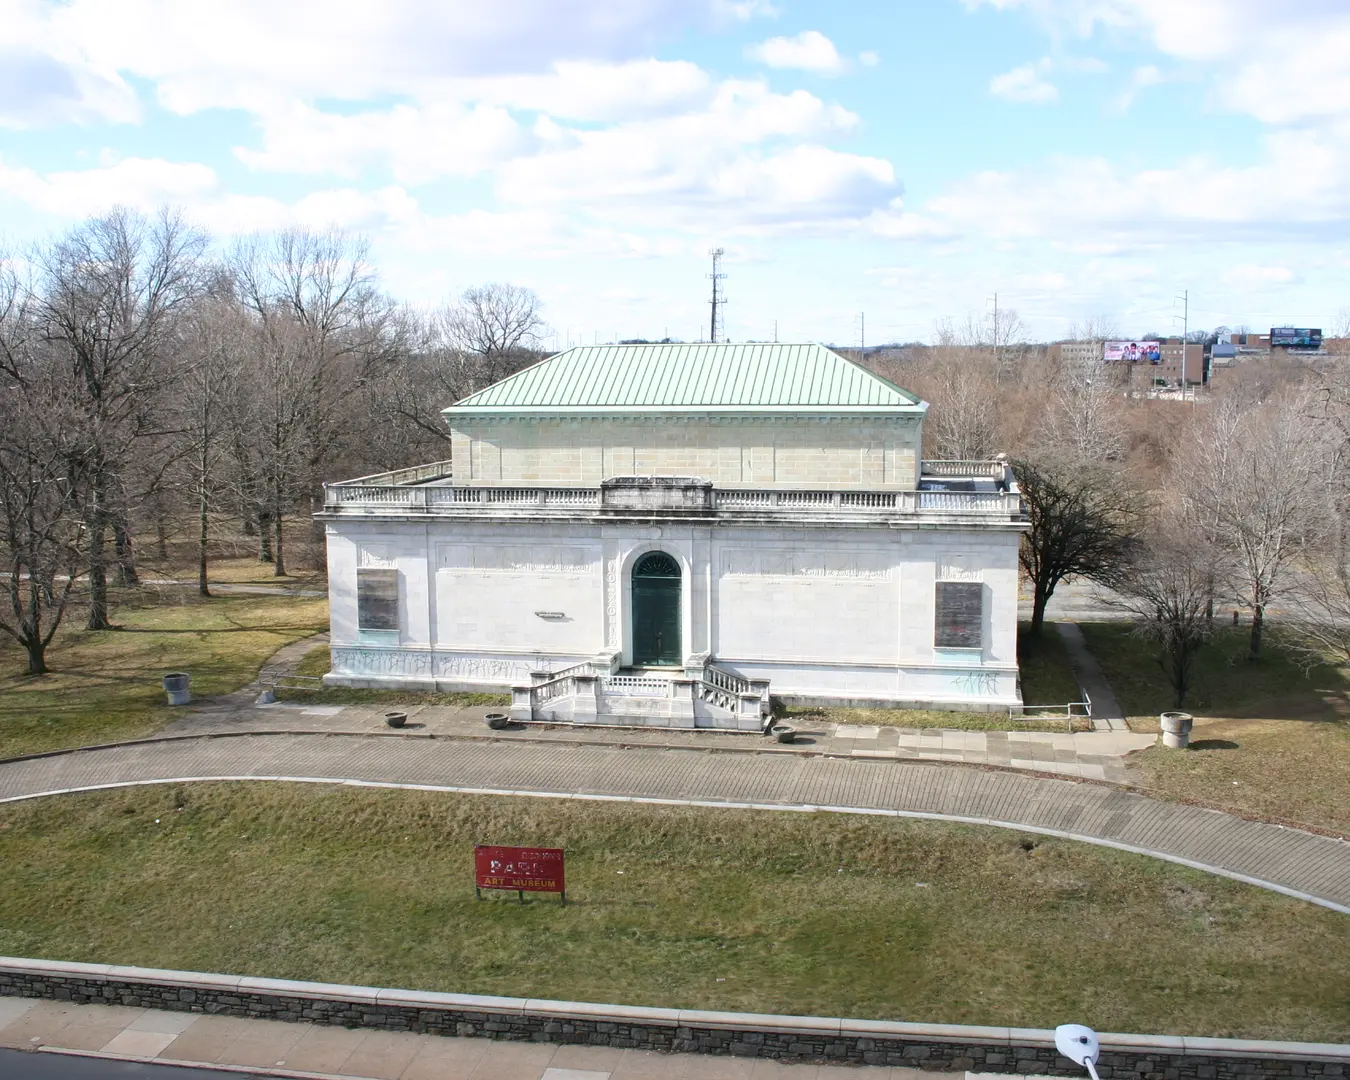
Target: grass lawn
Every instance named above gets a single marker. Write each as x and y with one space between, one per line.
1047 675
684 907
316 663
1269 740
918 719
104 685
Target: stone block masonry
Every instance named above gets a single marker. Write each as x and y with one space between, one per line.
1016 1051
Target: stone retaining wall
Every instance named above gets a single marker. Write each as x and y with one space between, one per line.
785 1038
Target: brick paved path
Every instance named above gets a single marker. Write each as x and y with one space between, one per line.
1287 860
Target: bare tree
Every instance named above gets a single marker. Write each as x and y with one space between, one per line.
39 505
318 333
960 378
494 324
1084 516
109 292
1259 473
1084 417
1166 585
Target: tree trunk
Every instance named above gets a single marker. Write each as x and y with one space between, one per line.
1039 600
161 530
37 655
250 527
279 567
1258 622
126 557
264 537
203 587
98 570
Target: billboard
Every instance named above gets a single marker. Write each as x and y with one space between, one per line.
1135 352
1295 337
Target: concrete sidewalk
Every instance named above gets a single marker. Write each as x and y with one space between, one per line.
315 1050
1107 714
1096 755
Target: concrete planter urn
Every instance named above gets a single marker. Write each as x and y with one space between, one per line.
784 733
176 685
395 719
1176 728
497 720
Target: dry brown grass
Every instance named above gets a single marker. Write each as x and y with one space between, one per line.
1291 771
763 911
104 685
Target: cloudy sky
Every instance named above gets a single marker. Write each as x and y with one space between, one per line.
904 158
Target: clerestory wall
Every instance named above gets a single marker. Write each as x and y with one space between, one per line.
839 452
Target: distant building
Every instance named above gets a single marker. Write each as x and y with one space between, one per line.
1076 352
1170 369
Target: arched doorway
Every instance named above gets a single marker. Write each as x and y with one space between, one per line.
656 611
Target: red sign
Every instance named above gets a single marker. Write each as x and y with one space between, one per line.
519 868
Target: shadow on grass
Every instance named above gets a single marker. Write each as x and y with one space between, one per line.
1213 744
1225 684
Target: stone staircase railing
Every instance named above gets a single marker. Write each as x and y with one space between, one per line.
703 696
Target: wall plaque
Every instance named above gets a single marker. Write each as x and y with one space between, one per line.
959 615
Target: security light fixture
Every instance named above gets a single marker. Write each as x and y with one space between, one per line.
1079 1045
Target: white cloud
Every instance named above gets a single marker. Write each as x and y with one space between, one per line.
1133 203
1140 79
140 182
1026 84
1280 62
202 54
1253 276
868 58
808 51
727 162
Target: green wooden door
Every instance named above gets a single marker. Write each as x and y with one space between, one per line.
656 611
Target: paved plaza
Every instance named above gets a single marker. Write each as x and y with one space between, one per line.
1089 755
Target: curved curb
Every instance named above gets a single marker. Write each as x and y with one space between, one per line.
806 808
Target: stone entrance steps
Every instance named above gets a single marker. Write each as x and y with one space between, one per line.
701 696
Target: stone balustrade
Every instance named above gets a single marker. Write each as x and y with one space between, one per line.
688 497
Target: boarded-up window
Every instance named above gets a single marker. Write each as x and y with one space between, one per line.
377 599
959 618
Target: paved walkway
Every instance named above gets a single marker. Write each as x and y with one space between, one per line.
1302 864
1107 714
278 1048
1083 755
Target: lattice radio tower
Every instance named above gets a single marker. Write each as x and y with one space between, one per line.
716 328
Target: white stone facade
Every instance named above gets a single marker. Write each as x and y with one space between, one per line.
826 611
674 533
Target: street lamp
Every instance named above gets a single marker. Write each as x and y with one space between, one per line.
1079 1045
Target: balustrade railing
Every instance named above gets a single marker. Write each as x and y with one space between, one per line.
547 691
429 498
967 469
634 686
734 684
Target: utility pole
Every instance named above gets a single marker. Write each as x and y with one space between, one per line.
862 331
996 363
775 331
715 323
1185 299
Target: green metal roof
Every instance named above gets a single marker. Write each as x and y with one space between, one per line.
691 378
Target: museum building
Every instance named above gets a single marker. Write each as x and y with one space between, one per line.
668 534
